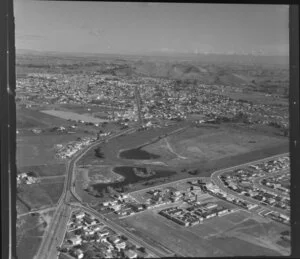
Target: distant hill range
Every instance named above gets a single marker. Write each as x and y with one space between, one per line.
261 73
161 56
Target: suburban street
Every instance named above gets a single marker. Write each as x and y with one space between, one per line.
55 235
257 183
215 177
156 252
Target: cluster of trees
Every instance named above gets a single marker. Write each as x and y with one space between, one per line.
284 130
109 190
99 153
239 117
92 191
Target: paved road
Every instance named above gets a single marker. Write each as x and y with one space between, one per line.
257 183
155 251
215 178
54 236
36 211
57 228
199 177
166 184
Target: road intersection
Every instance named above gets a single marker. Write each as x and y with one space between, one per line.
56 231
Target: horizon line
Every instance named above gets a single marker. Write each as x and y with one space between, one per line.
152 52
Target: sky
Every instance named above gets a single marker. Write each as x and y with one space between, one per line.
141 28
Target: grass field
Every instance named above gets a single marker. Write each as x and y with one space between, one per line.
43 194
103 174
215 237
30 229
28 243
40 149
28 247
45 170
205 149
29 118
86 109
21 207
85 178
204 144
112 148
73 116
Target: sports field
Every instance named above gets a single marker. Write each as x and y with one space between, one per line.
221 236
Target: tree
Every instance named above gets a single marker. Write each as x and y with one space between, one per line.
89 254
142 249
99 153
110 190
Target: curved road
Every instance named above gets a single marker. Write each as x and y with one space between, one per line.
57 228
58 225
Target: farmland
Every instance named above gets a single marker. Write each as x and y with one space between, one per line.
216 237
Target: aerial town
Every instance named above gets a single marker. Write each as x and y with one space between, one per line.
162 99
143 144
159 112
85 235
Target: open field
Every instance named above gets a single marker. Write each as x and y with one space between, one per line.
29 118
112 148
73 116
215 237
96 175
209 144
30 229
257 97
28 247
43 194
21 207
40 149
204 149
193 145
45 170
86 109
